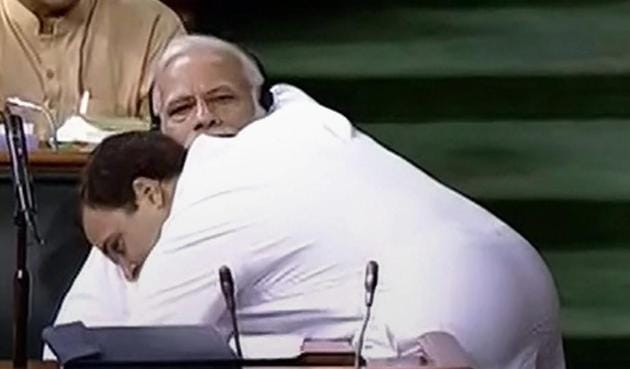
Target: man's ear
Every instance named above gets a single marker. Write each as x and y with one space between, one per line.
148 190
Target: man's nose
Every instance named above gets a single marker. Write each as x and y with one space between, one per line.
205 117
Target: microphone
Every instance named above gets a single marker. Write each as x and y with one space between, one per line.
23 219
16 101
371 280
16 144
227 288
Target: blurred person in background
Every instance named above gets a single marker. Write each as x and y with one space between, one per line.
55 53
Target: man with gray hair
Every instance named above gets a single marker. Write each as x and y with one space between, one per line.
206 85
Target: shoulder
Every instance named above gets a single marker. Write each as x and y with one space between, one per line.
149 8
142 11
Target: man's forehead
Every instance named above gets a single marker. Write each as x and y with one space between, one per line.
203 61
97 225
200 72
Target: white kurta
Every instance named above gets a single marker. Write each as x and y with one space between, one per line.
296 205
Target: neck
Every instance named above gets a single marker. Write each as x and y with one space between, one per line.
168 193
45 12
169 187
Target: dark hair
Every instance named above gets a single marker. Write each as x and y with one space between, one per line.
107 179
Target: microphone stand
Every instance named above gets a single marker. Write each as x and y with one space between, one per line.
23 218
371 280
227 288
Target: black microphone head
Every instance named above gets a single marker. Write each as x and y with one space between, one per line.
371 276
225 278
371 280
227 285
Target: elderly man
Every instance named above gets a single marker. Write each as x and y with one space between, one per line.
296 203
54 52
206 85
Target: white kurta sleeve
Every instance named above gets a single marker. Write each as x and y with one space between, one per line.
178 288
179 281
97 296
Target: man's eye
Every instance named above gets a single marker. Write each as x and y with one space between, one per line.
179 110
222 99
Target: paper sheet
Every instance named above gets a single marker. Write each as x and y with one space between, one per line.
270 346
77 129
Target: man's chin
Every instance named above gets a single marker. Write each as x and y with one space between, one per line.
209 132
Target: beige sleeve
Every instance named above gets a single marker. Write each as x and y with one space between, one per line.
166 27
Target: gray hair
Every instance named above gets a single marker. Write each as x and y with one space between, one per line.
184 45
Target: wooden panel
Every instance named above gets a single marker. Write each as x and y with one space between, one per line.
50 161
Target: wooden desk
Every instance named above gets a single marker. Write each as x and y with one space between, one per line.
53 365
315 355
47 161
7 364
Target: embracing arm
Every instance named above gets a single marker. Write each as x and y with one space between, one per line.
97 297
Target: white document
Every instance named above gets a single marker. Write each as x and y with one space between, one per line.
266 346
77 129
